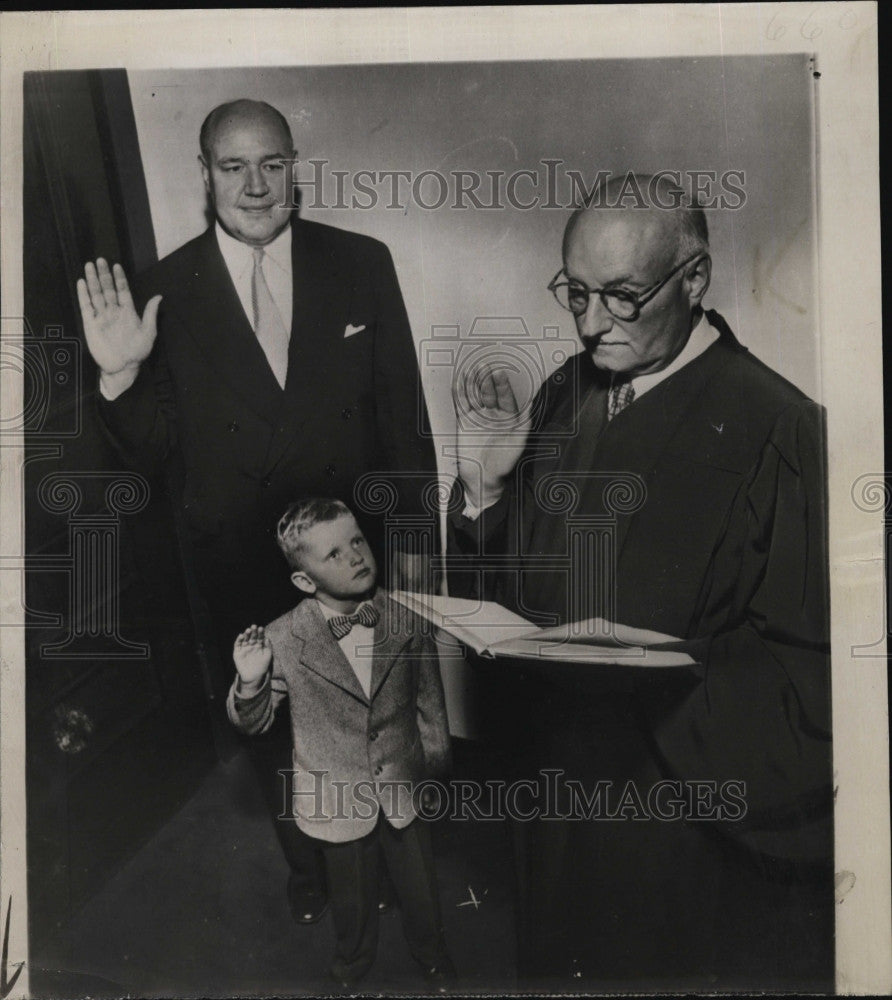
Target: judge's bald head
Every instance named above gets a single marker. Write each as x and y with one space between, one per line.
654 204
636 237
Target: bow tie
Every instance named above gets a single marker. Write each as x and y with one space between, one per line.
366 614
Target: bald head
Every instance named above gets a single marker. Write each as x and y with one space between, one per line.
649 209
235 114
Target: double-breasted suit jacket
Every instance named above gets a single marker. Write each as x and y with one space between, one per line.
207 405
353 755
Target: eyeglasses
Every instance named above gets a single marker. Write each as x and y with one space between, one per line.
619 302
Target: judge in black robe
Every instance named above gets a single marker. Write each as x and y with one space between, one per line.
711 486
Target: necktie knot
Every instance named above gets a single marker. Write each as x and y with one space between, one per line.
622 392
259 254
366 614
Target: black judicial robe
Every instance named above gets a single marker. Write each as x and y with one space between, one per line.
714 486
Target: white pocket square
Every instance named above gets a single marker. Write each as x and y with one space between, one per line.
351 329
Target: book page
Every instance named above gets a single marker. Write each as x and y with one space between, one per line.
634 657
605 633
490 628
481 625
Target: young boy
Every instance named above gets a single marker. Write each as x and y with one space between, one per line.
368 720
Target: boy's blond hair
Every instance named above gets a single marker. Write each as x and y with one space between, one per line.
302 515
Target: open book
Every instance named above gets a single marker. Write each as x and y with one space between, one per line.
493 631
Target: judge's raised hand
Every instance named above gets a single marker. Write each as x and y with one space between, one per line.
117 338
492 433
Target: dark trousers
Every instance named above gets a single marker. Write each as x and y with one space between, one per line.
270 753
236 601
353 871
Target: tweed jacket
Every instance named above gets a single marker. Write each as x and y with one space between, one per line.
353 756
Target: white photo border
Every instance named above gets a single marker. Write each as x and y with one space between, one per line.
843 39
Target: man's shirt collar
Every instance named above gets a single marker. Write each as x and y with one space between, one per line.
238 255
703 335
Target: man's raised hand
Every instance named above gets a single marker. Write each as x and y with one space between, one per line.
492 433
253 655
118 339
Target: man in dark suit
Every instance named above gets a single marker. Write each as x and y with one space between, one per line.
709 469
269 358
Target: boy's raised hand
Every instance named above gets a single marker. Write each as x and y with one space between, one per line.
253 655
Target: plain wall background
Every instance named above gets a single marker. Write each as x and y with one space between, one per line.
752 114
744 113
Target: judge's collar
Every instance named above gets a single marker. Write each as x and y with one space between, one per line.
703 335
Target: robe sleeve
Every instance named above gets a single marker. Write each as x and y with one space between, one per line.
760 714
469 541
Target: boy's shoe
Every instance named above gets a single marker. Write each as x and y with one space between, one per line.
306 907
441 977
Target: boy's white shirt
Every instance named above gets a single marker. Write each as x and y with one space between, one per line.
357 646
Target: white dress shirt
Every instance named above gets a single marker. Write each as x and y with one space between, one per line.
357 647
239 260
703 335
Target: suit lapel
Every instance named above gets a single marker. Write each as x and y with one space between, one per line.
391 636
215 318
320 310
320 651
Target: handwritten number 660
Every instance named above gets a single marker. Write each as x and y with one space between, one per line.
809 28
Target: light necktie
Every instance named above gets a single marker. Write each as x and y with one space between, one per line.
271 332
366 614
622 392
